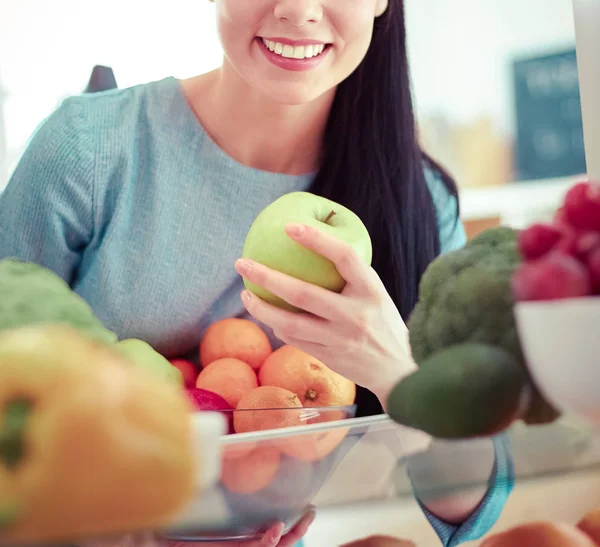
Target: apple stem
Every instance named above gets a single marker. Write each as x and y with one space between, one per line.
330 216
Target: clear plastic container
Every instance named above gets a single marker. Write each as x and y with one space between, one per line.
278 475
269 474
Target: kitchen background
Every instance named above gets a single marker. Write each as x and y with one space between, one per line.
495 84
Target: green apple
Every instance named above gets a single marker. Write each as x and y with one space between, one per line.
267 242
144 356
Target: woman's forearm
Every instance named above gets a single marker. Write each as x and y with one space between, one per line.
451 479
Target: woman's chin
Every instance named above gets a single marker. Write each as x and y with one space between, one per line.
292 93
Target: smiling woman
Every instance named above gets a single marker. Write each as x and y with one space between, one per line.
151 190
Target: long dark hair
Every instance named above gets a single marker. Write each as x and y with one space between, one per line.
373 164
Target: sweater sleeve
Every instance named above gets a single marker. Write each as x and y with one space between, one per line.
484 517
46 210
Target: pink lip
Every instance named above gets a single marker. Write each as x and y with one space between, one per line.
294 65
288 42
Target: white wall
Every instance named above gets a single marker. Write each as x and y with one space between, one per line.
48 49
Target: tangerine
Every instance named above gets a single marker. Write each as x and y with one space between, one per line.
235 337
313 446
267 407
230 378
251 473
540 534
314 383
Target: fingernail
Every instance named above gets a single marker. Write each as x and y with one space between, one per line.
243 265
295 230
246 297
274 536
313 516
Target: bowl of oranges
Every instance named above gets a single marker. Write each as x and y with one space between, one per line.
285 413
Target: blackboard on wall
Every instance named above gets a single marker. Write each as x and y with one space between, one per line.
549 138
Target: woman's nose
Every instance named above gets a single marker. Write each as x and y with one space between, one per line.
299 12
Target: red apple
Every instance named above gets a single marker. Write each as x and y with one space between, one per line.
582 206
189 371
538 239
204 400
594 267
588 243
555 276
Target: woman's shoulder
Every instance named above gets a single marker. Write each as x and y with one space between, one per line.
109 116
446 203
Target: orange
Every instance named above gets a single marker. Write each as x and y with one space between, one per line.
314 446
238 450
229 378
314 383
267 407
251 473
238 338
540 534
590 524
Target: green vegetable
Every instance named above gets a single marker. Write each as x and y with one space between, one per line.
8 515
143 355
12 432
465 297
13 421
31 294
467 390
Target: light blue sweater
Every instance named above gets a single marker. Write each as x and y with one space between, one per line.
125 196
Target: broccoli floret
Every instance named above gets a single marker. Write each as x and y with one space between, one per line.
31 294
465 297
501 236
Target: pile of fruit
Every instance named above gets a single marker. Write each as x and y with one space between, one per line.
562 258
240 371
260 389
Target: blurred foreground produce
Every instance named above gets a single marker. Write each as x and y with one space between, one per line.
89 445
33 295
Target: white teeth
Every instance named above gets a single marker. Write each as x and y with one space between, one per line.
291 52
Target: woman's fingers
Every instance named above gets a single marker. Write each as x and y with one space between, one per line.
346 259
272 537
286 324
305 296
299 531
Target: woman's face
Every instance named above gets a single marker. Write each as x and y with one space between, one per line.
296 50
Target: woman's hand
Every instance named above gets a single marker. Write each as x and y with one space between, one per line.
272 538
380 541
358 333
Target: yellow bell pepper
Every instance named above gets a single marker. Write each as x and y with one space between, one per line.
89 444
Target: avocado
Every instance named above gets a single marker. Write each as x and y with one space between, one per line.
463 391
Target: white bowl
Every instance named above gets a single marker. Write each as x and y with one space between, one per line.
561 342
